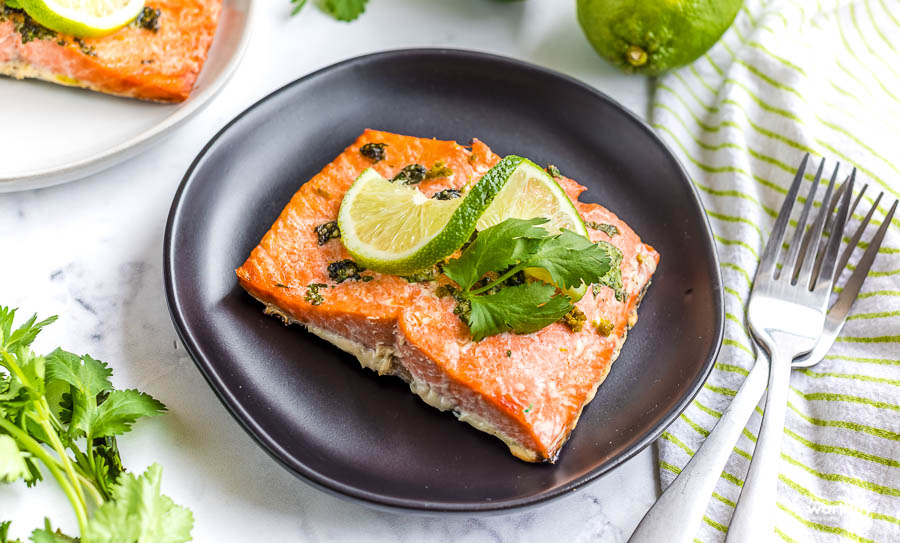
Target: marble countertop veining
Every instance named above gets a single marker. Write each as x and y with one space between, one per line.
91 252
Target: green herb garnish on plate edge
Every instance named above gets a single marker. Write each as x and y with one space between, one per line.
60 415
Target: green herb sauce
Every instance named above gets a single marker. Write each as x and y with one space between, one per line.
438 169
608 229
423 276
312 293
148 19
574 319
373 151
344 270
411 175
326 231
447 194
604 327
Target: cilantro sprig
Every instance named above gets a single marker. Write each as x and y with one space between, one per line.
342 10
61 413
484 269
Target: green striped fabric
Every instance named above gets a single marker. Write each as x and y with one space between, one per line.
791 77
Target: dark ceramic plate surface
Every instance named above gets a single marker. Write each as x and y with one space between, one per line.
343 428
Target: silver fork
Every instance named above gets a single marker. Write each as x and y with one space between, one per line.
687 496
837 315
786 316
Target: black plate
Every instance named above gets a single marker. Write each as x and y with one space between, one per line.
343 428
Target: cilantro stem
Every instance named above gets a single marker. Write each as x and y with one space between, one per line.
499 280
13 367
92 490
37 450
84 477
42 408
59 448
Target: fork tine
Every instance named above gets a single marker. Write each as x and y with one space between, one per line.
845 257
826 274
794 253
776 238
830 226
859 197
841 307
834 200
816 232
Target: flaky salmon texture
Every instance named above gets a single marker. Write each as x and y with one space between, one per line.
528 390
158 57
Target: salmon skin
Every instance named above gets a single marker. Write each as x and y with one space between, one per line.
158 57
528 390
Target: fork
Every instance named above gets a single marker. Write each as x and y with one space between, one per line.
699 477
786 316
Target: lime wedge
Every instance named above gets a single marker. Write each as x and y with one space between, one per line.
83 18
393 228
531 192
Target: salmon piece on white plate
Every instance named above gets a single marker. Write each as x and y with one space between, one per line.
158 57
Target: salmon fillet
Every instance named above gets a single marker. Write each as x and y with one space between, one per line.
528 390
158 60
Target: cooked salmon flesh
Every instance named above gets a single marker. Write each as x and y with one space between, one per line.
526 389
157 57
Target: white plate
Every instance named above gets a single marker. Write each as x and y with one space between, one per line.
52 134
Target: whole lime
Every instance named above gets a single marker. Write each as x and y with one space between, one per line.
652 36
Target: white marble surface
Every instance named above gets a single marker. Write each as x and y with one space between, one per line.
91 252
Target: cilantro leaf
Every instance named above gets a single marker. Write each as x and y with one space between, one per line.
344 10
521 309
24 335
30 375
494 302
89 376
571 259
10 387
43 536
49 535
120 410
139 513
4 533
107 466
496 248
12 461
613 277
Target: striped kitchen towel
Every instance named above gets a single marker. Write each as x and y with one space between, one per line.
791 77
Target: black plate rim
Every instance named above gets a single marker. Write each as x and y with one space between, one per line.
380 501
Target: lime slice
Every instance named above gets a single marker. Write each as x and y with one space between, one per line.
393 228
83 18
528 193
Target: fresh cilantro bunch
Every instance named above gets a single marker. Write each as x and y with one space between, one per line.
492 305
342 10
61 413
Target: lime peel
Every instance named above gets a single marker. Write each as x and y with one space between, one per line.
85 18
651 37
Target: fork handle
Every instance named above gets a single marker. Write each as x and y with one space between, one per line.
676 516
755 510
